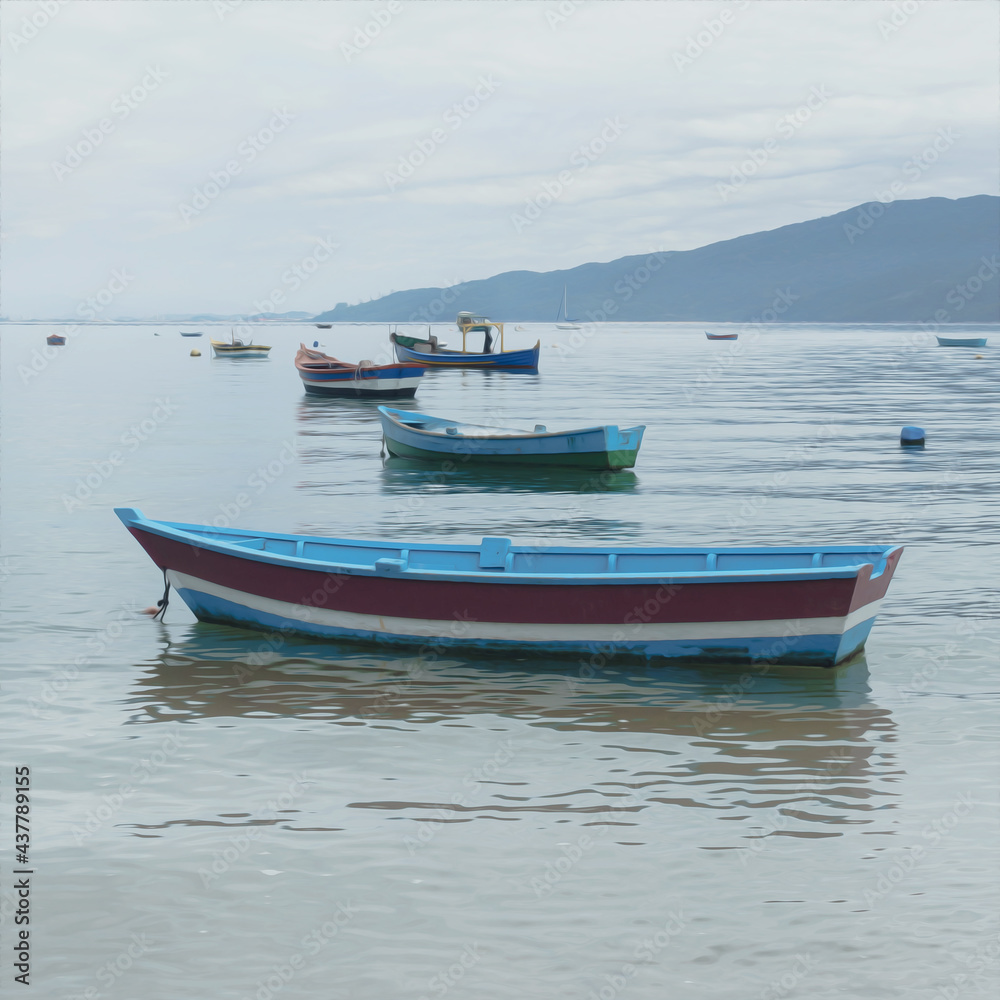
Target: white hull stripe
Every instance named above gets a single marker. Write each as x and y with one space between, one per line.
534 632
365 383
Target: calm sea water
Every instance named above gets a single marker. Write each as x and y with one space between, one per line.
217 815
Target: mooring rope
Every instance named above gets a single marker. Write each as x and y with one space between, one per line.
164 600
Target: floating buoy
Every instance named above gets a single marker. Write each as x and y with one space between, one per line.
911 437
315 343
979 357
196 353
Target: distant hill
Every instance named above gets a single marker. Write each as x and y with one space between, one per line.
934 259
285 317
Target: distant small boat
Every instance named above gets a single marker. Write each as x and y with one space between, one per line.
55 339
721 336
324 326
563 322
419 435
961 341
238 349
326 376
758 606
185 333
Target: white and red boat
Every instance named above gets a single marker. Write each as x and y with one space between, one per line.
812 605
326 376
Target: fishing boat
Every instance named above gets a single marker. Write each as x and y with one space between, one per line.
238 348
563 322
55 339
193 333
326 376
961 341
721 336
810 605
418 435
430 351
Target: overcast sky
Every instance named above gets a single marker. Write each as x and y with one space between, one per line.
201 155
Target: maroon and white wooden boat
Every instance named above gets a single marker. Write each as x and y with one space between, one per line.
802 605
326 376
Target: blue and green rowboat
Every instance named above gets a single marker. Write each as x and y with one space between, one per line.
961 341
419 435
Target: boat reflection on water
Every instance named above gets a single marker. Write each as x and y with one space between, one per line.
789 752
400 475
325 415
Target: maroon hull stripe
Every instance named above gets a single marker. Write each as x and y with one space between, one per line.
867 589
531 603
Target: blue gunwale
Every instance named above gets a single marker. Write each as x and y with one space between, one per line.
232 542
436 426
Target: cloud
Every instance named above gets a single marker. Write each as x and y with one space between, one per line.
358 111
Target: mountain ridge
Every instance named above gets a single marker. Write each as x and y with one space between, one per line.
922 260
